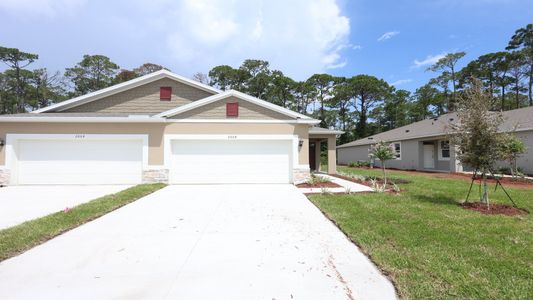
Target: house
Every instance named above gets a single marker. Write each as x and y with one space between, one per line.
161 127
424 146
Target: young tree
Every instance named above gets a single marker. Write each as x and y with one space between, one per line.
448 64
384 152
477 133
17 61
511 148
92 73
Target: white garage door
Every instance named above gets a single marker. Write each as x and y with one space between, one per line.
231 161
79 161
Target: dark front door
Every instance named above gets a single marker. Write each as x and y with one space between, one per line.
312 156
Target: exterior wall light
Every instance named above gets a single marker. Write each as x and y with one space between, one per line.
2 143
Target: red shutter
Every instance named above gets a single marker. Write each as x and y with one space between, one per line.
165 93
232 109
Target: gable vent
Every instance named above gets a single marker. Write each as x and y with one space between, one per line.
165 93
232 109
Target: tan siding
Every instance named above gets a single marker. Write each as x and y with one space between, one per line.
144 99
156 132
217 110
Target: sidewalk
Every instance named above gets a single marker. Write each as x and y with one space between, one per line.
346 186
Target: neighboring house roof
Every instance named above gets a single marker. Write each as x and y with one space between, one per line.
514 120
125 86
320 130
232 93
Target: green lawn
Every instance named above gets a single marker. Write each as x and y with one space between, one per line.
27 235
434 249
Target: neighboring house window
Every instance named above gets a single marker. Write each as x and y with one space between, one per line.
232 109
165 93
444 150
397 147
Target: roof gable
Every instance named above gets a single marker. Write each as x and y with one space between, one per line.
125 86
289 114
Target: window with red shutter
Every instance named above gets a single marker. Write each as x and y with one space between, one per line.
165 93
232 109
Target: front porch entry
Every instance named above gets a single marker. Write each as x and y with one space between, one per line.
318 136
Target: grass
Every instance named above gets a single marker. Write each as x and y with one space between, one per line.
20 238
434 249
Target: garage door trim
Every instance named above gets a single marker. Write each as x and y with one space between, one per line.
236 137
12 141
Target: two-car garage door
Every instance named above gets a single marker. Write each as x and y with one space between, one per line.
79 161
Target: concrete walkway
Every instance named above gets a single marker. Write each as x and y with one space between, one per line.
346 186
200 242
26 202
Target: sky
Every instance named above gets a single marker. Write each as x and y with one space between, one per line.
393 40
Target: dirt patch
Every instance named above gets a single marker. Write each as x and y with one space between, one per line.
318 185
494 209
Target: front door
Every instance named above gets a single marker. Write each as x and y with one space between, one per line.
429 156
312 156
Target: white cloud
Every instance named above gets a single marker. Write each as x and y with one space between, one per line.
428 61
357 47
48 8
305 37
401 81
388 35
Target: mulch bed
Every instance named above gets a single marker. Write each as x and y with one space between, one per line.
495 209
318 185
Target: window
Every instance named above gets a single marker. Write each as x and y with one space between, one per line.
165 93
444 150
232 109
397 148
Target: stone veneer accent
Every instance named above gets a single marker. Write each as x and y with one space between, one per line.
300 175
155 175
4 177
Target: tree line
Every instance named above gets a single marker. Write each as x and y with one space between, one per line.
360 105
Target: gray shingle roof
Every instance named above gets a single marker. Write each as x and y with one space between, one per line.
520 119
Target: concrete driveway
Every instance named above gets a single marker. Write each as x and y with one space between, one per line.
22 203
200 242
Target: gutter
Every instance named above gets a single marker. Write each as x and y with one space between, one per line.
81 120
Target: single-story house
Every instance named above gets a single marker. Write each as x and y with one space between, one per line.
161 127
424 145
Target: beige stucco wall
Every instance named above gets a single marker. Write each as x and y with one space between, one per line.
217 110
144 99
156 133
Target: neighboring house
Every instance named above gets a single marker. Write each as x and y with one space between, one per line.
159 128
423 145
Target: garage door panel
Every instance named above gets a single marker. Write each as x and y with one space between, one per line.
221 161
79 162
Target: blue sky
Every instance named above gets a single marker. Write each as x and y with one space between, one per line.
393 40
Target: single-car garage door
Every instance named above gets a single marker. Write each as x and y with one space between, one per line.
79 161
231 161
